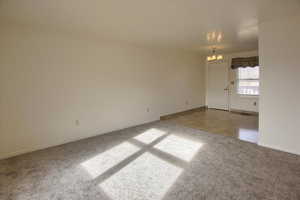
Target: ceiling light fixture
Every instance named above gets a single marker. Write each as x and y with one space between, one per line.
214 56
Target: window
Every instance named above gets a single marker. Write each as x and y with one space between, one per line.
248 81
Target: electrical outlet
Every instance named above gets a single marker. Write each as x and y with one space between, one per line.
148 109
254 103
77 122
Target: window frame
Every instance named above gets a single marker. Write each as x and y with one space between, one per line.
249 79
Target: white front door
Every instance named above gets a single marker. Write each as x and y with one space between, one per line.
217 88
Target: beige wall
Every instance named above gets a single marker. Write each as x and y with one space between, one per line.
48 81
279 52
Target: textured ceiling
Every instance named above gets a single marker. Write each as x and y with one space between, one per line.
229 25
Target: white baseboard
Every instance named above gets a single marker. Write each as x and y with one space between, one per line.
37 147
277 148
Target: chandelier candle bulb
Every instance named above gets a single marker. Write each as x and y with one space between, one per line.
214 56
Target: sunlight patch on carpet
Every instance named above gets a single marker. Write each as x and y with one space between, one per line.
104 161
150 135
147 177
179 147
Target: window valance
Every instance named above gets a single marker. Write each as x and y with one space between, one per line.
244 62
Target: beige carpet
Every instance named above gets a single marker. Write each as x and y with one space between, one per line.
155 161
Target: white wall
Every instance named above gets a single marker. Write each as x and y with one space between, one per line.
279 44
236 101
50 80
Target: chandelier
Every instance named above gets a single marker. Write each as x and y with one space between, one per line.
214 56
